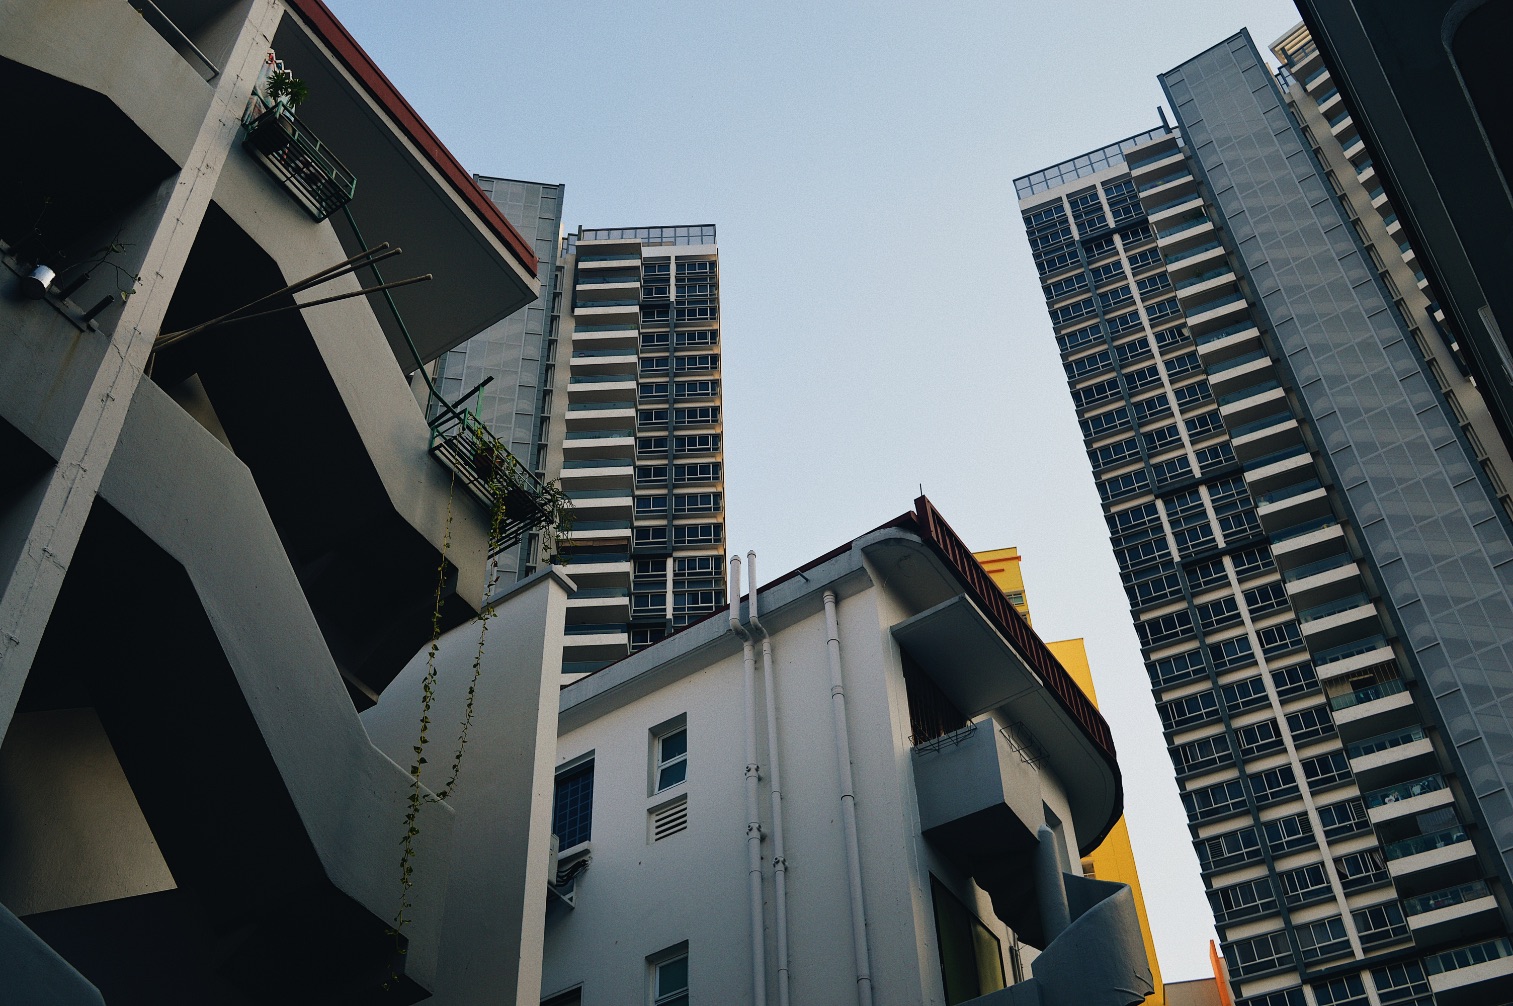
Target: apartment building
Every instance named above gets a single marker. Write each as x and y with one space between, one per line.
1114 859
1313 548
635 436
226 523
1425 82
870 782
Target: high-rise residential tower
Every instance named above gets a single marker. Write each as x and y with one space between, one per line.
1318 566
514 355
634 433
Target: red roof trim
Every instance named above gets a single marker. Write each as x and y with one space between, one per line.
319 19
981 588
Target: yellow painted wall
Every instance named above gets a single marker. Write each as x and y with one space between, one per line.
1115 858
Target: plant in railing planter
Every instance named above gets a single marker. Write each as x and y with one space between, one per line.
283 88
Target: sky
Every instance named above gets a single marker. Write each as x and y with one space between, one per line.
883 327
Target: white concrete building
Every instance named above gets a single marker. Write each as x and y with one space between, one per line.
867 786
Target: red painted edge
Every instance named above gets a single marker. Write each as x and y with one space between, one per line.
319 19
982 590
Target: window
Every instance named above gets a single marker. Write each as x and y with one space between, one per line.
669 977
694 503
1277 639
1345 991
1259 739
1269 597
704 415
1093 394
1247 694
697 361
1165 628
573 805
1215 614
651 506
693 389
1202 575
1323 939
1326 770
1234 848
1274 784
1343 819
1105 422
698 443
1299 679
1171 471
1192 394
652 445
1081 367
1080 339
1361 869
1201 754
1177 669
670 757
652 417
1148 409
1231 653
1189 710
1145 377
705 472
1309 724
1117 453
1243 901
695 534
1305 885
971 958
1215 801
1259 955
1289 834
657 389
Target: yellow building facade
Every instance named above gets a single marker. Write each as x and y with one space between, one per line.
1115 858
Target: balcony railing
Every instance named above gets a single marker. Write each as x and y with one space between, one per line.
1286 492
1405 790
597 434
1334 608
1204 277
1323 566
1199 221
1465 957
1450 896
1249 391
1234 361
1385 742
1370 693
1187 253
1274 457
1255 426
517 500
295 156
1425 843
1347 650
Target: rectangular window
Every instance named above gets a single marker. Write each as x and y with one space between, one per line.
704 415
1235 848
1326 770
1323 939
1215 801
698 443
1093 394
1310 724
1360 870
1142 378
573 805
1080 339
1177 669
1305 885
1165 629
1215 614
1243 901
670 758
693 389
696 534
1274 784
1105 423
707 472
1259 955
1148 409
1259 739
1289 834
971 958
1202 575
1341 820
1251 561
695 503
1264 599
1202 754
669 977
1247 694
1192 394
1232 653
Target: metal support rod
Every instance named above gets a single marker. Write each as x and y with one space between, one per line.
475 389
177 337
314 279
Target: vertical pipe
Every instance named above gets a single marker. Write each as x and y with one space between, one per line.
775 786
848 806
753 820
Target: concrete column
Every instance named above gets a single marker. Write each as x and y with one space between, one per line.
1055 916
493 922
168 230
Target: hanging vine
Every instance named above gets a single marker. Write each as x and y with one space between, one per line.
502 472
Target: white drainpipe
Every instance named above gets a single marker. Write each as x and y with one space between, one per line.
779 862
753 821
848 806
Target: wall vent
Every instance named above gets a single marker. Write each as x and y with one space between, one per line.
669 819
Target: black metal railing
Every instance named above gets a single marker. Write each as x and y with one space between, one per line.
295 156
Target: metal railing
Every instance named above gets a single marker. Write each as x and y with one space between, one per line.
1347 650
1385 742
1436 900
1286 492
295 156
1335 607
1255 426
1405 790
1380 690
1425 843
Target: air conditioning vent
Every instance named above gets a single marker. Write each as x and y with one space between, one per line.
669 819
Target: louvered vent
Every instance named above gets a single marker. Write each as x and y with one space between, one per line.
669 819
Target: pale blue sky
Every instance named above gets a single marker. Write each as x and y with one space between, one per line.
883 325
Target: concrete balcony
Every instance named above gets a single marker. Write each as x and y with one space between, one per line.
1240 371
1399 754
1251 401
599 605
1167 186
1306 543
1158 166
1339 622
1216 313
578 444
1473 975
626 312
1350 659
1185 234
1293 504
1333 576
1174 210
1268 435
610 360
603 504
608 388
1371 709
614 415
1452 914
1230 341
1407 799
625 337
597 473
1438 856
594 642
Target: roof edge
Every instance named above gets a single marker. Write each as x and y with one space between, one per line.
319 19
